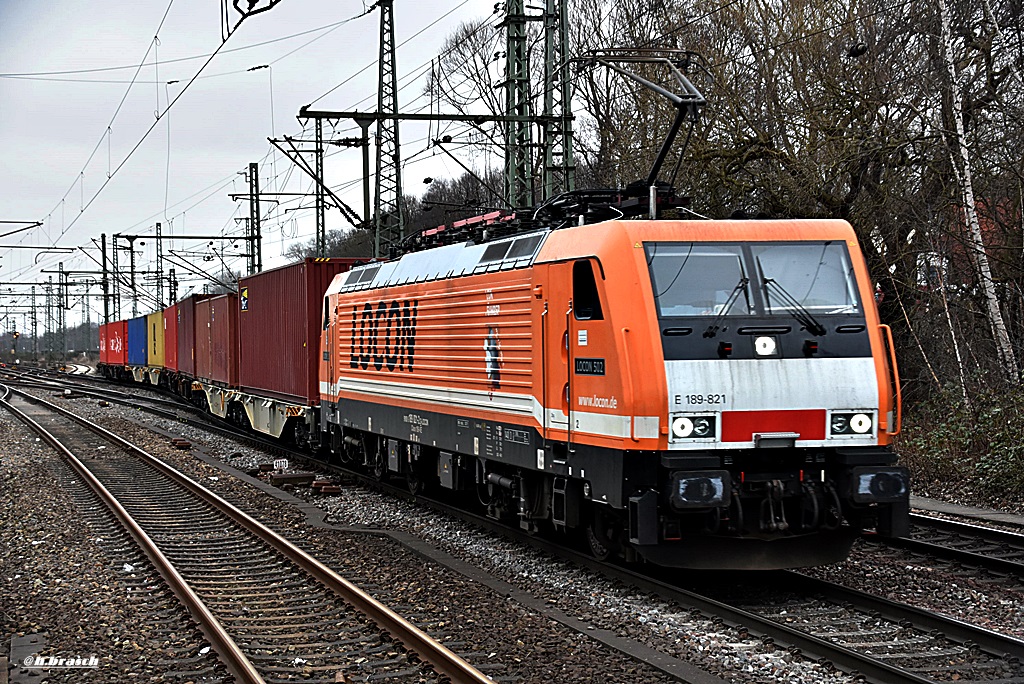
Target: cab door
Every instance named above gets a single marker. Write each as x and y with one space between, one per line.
582 390
328 348
595 401
555 352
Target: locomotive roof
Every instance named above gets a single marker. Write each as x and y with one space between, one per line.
521 251
450 261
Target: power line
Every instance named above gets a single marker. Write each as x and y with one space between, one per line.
399 46
145 135
107 130
183 59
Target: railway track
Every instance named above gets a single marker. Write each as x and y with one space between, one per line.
885 640
880 640
876 639
99 389
271 612
872 637
967 544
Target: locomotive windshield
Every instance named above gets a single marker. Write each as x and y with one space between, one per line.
817 277
698 280
721 279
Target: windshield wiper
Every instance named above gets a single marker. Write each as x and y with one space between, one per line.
712 329
800 313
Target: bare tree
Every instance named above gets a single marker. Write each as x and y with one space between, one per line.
961 164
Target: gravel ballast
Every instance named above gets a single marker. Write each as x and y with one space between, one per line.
579 593
87 591
528 645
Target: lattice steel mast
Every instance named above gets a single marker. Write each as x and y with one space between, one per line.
518 139
559 174
387 207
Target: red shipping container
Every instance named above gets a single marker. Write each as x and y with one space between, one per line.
171 337
279 325
216 322
103 342
187 334
114 343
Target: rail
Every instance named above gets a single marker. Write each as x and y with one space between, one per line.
443 660
231 655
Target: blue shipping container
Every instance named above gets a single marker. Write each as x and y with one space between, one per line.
137 349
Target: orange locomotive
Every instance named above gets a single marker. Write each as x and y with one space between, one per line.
697 393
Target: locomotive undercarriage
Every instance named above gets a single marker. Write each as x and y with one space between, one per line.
758 511
797 507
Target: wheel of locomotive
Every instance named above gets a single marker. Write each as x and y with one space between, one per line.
380 464
414 481
347 452
602 534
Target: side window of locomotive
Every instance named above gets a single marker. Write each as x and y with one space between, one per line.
327 312
818 276
586 303
698 279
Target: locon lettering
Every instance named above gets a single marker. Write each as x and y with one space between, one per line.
384 335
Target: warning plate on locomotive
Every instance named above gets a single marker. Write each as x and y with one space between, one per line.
589 366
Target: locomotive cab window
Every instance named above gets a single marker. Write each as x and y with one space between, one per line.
327 312
776 279
818 277
586 303
699 280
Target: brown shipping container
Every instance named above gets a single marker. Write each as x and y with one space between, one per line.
216 322
279 324
170 320
187 334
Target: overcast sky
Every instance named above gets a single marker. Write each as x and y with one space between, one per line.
60 88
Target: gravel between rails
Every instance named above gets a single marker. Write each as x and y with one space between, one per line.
85 588
969 596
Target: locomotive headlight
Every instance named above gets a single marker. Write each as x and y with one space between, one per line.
693 427
879 485
682 427
765 346
860 423
700 489
851 423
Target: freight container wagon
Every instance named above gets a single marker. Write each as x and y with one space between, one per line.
216 372
186 327
138 350
280 316
155 349
113 346
170 322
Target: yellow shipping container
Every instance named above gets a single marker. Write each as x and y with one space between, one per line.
155 333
